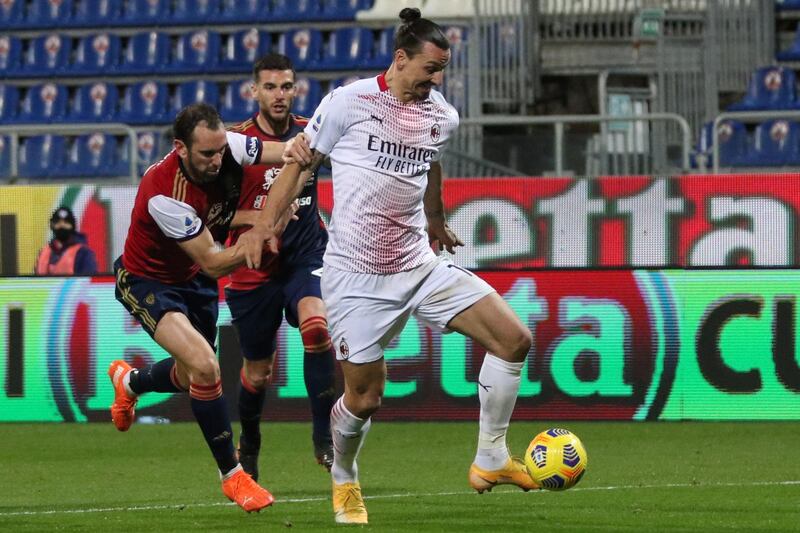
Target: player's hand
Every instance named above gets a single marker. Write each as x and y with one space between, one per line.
252 243
298 151
287 216
443 236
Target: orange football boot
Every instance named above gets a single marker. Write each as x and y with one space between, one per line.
246 493
124 406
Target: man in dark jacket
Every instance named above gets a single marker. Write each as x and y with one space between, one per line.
67 254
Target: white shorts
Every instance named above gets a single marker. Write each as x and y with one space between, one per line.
367 311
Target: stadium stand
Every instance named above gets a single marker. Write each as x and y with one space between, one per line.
96 55
734 143
348 49
42 156
91 155
10 55
9 100
308 92
146 52
47 55
94 102
44 103
303 46
770 87
145 12
777 143
12 13
190 92
196 52
5 156
237 103
48 13
96 13
145 103
194 11
241 49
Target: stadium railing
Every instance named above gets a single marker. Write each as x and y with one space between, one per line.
23 130
471 130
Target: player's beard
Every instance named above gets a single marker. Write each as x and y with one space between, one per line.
278 122
199 176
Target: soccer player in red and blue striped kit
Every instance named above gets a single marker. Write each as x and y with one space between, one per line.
287 283
166 276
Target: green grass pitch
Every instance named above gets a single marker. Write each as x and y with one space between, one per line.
641 477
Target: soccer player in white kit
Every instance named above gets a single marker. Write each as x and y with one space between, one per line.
385 137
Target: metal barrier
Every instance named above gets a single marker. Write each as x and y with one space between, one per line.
470 126
748 117
26 130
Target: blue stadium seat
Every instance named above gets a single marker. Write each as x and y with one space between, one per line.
95 102
10 55
96 54
190 92
342 9
308 94
12 13
148 151
383 51
793 52
97 13
9 102
144 12
42 156
734 145
295 10
48 14
47 55
5 156
241 49
237 102
348 48
44 103
145 53
196 52
302 46
777 143
783 5
145 103
92 155
244 11
195 11
341 82
770 88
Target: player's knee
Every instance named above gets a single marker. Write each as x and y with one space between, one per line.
367 400
257 378
314 331
521 342
204 371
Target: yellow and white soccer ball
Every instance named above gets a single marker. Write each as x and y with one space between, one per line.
556 459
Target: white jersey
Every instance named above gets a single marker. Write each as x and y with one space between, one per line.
381 151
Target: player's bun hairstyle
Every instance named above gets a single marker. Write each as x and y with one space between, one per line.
415 31
192 115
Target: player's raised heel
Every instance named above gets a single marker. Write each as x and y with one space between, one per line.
348 504
124 407
324 455
512 473
248 458
246 493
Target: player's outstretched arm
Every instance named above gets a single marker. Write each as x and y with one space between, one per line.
272 220
214 262
438 230
296 150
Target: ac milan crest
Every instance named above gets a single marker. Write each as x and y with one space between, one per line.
436 132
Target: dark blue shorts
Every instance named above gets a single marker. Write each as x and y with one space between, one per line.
257 313
147 300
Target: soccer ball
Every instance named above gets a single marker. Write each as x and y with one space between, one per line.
556 459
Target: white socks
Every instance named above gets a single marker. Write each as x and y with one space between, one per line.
348 433
498 386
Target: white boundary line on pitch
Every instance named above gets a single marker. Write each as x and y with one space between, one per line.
392 496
